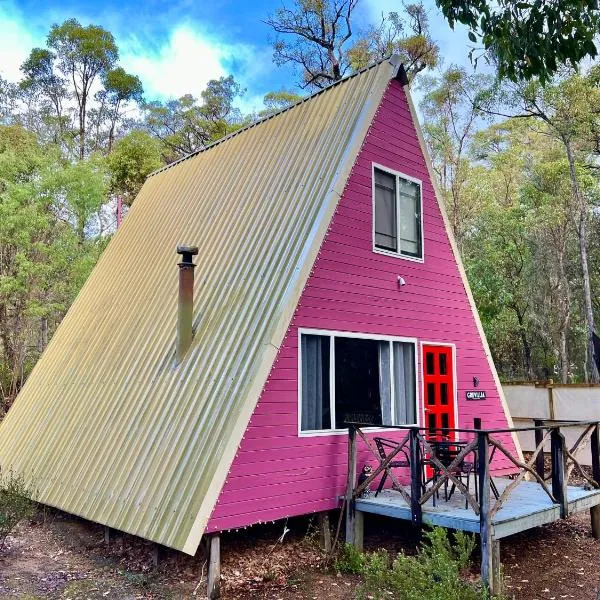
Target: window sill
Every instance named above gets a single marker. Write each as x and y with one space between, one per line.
337 432
398 255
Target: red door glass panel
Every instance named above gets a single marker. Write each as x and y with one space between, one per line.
438 386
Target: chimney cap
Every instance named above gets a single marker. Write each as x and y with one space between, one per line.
193 250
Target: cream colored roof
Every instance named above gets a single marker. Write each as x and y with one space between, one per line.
106 427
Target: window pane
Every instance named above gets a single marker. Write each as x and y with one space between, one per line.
443 393
443 364
431 393
431 424
315 411
357 381
405 383
410 218
429 363
385 211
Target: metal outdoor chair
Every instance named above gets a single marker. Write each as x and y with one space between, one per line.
384 446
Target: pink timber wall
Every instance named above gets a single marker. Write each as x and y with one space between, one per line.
278 474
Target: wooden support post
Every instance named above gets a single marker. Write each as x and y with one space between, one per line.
595 520
213 585
559 484
325 531
107 535
485 520
595 452
359 530
496 581
539 436
156 555
415 479
350 502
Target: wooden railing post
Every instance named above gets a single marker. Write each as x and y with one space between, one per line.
539 436
559 484
350 502
415 478
485 519
595 451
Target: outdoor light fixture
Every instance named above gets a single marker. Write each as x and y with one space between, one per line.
401 281
475 381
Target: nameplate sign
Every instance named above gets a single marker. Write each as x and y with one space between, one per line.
476 395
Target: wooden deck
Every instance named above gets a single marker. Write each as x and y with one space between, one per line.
527 506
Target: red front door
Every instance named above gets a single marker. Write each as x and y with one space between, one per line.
438 388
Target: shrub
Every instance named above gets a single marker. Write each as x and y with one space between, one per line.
350 560
434 573
15 503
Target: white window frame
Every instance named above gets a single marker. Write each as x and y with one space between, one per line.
397 175
331 334
454 375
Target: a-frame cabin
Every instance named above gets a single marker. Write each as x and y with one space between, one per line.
327 287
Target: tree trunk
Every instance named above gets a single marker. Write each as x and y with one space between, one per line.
526 346
82 113
587 288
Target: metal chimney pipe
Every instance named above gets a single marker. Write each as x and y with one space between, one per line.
185 307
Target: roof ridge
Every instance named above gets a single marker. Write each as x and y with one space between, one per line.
393 59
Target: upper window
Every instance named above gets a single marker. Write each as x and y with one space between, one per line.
397 214
343 379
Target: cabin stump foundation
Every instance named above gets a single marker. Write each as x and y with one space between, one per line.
213 584
359 530
107 535
595 519
324 531
496 575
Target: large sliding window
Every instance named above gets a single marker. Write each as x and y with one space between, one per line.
397 214
343 378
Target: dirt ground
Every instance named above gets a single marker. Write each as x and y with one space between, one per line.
61 557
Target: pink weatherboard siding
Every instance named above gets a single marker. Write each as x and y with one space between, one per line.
276 473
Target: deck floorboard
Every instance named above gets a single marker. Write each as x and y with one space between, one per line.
527 506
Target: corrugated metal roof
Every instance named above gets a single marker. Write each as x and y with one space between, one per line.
107 427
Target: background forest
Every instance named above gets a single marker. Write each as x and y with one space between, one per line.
515 148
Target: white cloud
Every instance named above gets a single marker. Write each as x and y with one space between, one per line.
16 41
186 61
184 64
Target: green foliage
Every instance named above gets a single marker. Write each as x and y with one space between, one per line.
133 158
16 503
436 572
276 101
350 560
529 38
186 125
406 35
319 38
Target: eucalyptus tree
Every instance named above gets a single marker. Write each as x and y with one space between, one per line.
189 124
529 38
450 122
322 40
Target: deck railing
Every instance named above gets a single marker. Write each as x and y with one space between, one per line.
415 443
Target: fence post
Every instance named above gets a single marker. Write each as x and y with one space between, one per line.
415 478
595 450
350 502
539 436
485 521
550 386
559 484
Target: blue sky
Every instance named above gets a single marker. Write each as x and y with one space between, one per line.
177 46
